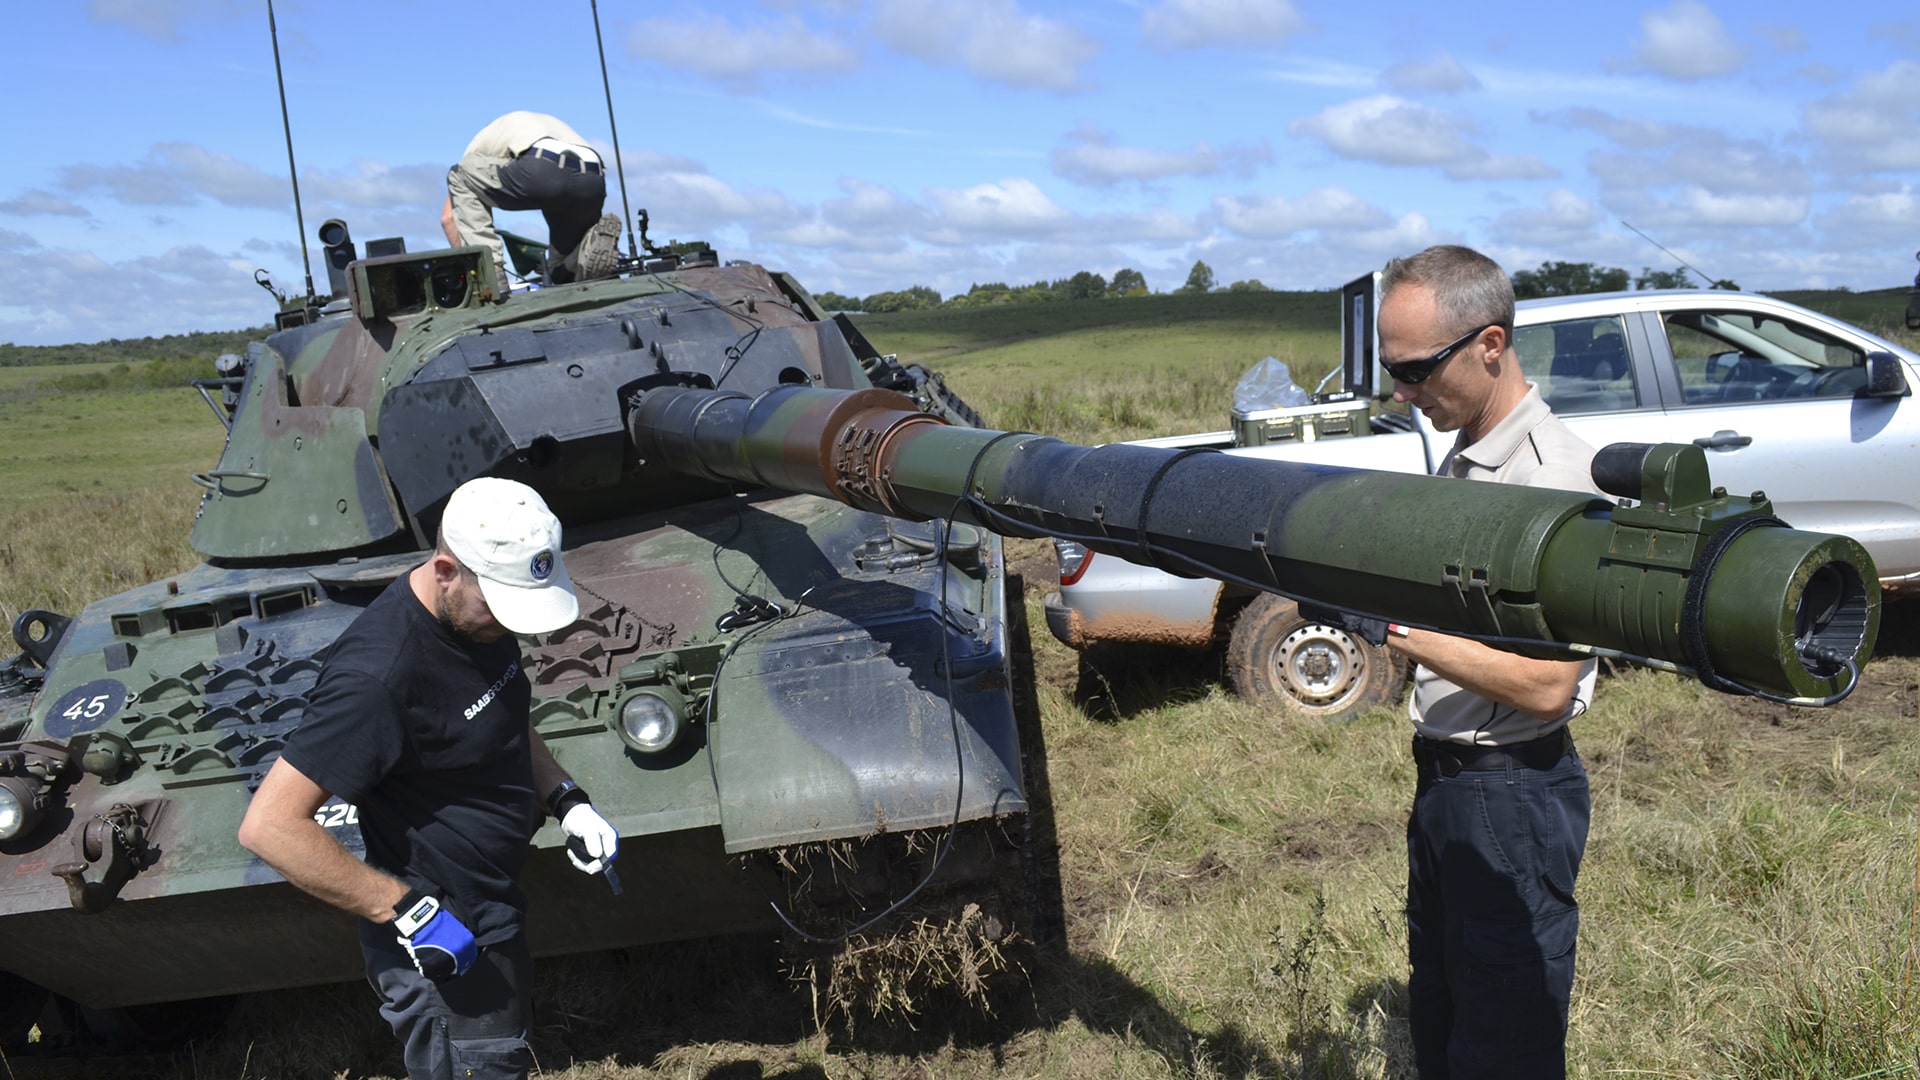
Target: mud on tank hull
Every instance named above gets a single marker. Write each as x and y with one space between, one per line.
833 724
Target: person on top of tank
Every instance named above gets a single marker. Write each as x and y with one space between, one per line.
420 719
532 161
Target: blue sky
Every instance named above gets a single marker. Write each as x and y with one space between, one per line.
876 144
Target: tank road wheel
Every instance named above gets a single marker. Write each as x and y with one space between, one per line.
1278 658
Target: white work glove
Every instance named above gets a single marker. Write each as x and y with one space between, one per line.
588 833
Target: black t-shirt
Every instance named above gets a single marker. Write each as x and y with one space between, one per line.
426 732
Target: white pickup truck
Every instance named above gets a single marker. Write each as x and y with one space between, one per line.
1818 414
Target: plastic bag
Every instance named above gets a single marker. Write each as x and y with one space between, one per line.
1268 385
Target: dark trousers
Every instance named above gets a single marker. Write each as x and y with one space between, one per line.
1491 919
570 200
472 1026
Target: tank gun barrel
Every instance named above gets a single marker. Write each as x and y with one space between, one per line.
1687 576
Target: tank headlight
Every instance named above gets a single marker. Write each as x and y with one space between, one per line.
650 718
19 806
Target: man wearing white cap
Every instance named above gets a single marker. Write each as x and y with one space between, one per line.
419 719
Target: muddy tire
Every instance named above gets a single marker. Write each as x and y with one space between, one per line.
1279 659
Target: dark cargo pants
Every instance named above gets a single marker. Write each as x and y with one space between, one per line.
1491 918
569 198
473 1026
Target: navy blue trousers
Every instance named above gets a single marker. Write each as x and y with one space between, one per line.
1491 919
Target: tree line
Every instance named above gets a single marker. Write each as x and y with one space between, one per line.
200 344
1551 279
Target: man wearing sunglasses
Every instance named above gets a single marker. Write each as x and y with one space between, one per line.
1499 820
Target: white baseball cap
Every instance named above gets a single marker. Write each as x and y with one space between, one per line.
503 532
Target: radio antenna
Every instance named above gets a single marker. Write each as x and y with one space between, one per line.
618 165
1704 276
299 217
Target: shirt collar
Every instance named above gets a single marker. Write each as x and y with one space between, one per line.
1495 448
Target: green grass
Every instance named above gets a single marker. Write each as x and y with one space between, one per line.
1105 370
1233 880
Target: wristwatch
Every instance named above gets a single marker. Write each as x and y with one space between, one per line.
415 910
563 797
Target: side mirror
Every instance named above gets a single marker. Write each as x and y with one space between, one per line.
1885 377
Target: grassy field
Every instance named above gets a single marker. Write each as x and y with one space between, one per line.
1233 880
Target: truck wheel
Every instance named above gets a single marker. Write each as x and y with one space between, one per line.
1278 658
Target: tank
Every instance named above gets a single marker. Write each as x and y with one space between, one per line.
790 686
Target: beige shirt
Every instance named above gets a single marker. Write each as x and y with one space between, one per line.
512 134
1532 447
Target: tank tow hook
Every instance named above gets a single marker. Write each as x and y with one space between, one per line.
111 849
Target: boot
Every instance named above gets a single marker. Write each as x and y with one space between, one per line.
600 250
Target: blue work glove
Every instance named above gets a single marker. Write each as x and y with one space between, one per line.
591 842
439 944
1365 627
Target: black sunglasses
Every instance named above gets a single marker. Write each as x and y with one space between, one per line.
1415 372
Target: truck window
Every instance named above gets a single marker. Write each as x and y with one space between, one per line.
1580 365
1736 356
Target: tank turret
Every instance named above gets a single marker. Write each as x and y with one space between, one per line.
793 652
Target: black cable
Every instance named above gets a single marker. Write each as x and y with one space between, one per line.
763 621
1693 609
738 350
1143 539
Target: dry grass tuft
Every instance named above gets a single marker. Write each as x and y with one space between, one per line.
892 977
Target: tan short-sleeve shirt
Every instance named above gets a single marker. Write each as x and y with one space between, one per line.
512 134
1532 447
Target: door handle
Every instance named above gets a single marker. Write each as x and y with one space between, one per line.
1723 440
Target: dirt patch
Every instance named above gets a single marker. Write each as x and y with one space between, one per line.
1316 840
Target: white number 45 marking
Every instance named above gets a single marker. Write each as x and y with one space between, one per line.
88 708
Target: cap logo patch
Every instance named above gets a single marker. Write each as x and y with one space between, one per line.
542 566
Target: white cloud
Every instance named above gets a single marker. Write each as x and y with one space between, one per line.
33 201
377 185
994 39
1868 219
1274 216
1653 155
160 20
1698 207
71 295
16 241
1479 164
739 56
1627 131
1562 223
1389 130
1786 39
1875 124
1192 24
180 174
1014 207
1686 41
1089 156
1314 71
1440 75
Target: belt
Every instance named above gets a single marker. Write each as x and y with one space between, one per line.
567 160
1452 758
